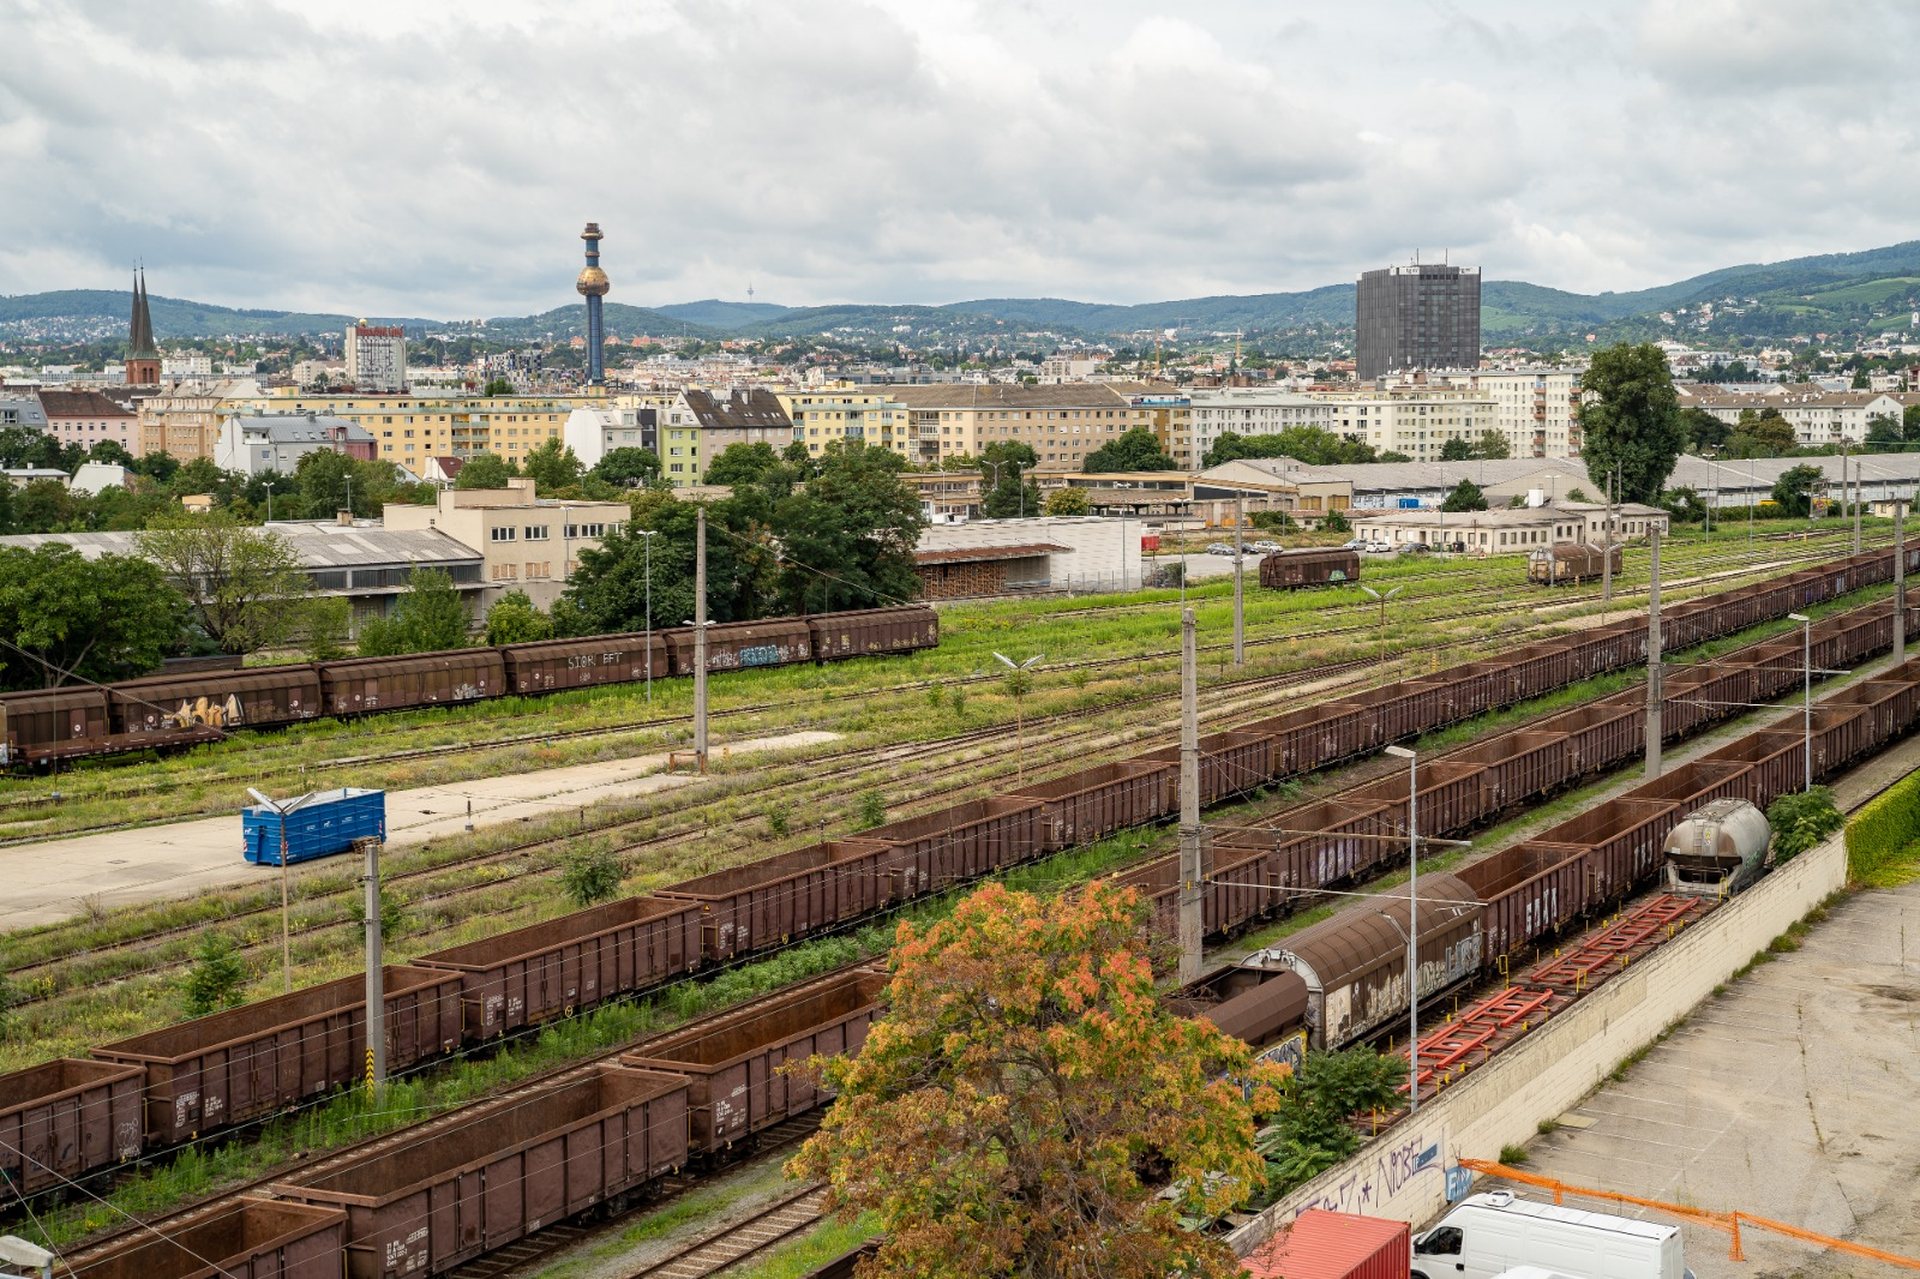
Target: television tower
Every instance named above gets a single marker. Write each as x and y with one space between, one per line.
592 285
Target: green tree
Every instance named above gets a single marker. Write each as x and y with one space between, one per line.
1704 430
1314 1129
1762 434
1068 501
1630 419
1492 446
553 466
514 620
847 539
48 506
393 913
1309 444
485 471
1456 450
1793 491
1336 522
326 621
1466 496
1910 421
1136 449
498 386
608 591
216 977
429 618
159 467
245 584
1684 505
1884 428
68 618
1800 820
1003 468
111 452
1029 1106
742 464
592 875
328 482
628 468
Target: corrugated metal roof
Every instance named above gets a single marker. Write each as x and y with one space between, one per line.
319 545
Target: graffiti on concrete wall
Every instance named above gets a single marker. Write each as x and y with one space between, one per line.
1373 1178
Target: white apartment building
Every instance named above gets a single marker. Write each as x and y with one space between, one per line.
1246 411
1416 420
1068 367
186 364
1818 416
1537 409
377 358
593 433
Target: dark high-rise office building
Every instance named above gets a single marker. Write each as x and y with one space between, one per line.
1416 317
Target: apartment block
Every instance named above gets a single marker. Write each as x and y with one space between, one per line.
528 543
1414 420
1537 409
824 414
1061 424
377 357
88 417
1819 416
1246 411
409 429
1423 316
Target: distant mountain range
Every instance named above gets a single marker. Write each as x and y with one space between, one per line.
1877 289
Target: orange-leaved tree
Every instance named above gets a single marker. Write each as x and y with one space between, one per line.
1027 1107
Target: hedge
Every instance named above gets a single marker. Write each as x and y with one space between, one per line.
1881 838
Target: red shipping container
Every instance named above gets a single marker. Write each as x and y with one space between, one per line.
1335 1245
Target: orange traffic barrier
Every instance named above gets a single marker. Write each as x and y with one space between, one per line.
1727 1221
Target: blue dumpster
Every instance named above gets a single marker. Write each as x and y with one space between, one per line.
317 825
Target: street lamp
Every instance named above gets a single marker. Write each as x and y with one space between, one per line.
280 809
1017 682
269 501
1383 598
648 534
1413 921
1806 696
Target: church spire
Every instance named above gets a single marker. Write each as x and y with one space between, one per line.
140 331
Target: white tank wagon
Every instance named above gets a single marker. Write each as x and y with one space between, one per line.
1717 849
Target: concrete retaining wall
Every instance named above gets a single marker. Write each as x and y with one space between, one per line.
1401 1175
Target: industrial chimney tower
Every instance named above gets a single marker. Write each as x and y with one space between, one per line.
592 285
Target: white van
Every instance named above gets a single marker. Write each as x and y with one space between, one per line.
1487 1235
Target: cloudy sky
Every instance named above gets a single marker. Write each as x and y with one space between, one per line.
426 158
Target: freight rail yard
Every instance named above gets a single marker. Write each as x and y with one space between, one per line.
548 1064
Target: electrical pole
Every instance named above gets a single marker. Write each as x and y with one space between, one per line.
700 637
1606 548
376 973
1192 837
1239 585
1899 581
286 910
1654 681
1857 478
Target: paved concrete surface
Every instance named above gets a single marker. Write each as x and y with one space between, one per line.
53 880
1791 1096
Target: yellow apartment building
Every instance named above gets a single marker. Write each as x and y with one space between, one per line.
410 428
1061 424
823 414
529 543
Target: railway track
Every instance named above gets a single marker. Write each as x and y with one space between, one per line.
624 1048
720 1250
40 982
1740 561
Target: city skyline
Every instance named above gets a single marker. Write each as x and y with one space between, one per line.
390 161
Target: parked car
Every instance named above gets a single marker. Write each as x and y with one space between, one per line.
1355 544
1219 548
1380 548
1264 547
1418 548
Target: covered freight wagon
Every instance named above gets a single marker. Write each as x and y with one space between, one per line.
735 646
1316 566
1565 563
161 705
317 825
545 666
48 724
863 631
360 684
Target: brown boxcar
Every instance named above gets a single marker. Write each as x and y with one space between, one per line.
1094 802
523 977
873 630
548 665
1624 839
244 1238
1355 963
1263 1007
1231 763
424 679
1517 766
1775 763
261 698
1530 891
795 894
963 842
446 1191
252 1061
1315 566
733 646
65 1118
1565 563
736 1086
52 724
